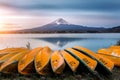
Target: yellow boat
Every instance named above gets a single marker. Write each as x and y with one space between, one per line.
26 63
114 59
10 50
8 56
115 50
57 62
6 50
104 66
87 62
114 47
10 65
110 51
42 61
105 51
72 62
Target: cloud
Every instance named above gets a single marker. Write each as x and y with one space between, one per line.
87 5
95 12
10 25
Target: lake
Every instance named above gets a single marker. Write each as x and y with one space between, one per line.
92 41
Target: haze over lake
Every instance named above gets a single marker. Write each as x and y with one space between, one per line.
92 41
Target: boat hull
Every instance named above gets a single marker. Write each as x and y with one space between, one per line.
57 62
114 59
72 62
13 62
26 63
42 61
104 66
88 63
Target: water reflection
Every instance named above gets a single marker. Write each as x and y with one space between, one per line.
22 42
59 41
93 43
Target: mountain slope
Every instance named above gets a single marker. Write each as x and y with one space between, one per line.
114 30
61 26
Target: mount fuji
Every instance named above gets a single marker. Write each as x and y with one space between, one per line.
61 26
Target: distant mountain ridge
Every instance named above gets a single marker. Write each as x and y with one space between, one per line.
114 29
62 26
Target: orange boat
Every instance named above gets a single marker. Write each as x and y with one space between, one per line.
57 62
105 51
10 65
110 51
10 50
9 54
26 63
87 62
42 61
104 66
72 62
114 59
114 47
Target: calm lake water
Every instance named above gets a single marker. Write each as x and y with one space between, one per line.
60 41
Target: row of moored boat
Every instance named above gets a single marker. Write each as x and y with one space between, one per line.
44 60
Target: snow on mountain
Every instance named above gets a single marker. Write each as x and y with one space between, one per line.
60 21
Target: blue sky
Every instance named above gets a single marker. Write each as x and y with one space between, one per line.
33 13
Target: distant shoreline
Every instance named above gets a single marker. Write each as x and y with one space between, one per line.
54 32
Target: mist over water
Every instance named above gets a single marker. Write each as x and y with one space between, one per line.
59 41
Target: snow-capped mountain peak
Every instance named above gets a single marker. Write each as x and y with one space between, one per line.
60 21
